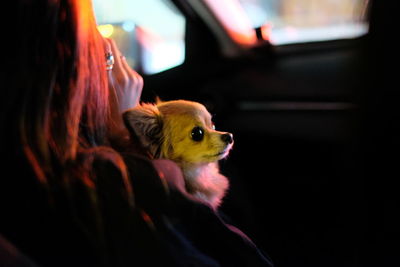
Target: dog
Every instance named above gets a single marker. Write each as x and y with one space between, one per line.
182 131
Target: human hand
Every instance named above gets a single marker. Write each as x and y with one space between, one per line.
125 84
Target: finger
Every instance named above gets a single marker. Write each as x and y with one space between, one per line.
136 77
139 88
117 73
107 45
107 50
118 68
125 64
139 82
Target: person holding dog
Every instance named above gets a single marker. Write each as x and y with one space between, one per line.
73 191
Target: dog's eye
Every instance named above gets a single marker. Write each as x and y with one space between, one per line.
197 134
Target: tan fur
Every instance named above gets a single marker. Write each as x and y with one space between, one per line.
165 131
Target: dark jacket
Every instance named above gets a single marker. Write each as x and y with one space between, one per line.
95 221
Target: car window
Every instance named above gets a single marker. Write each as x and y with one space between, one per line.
149 33
297 21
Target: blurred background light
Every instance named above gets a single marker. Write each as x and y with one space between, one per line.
298 21
106 30
158 18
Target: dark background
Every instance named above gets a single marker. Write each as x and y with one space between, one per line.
314 167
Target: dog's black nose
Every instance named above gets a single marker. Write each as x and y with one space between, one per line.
227 138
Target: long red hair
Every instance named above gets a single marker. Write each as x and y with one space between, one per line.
57 100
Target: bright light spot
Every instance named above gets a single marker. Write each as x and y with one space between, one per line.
266 31
160 47
163 56
106 30
290 34
128 26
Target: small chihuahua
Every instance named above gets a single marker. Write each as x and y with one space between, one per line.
183 132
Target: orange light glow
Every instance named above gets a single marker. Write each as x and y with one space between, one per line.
234 19
106 30
266 31
86 16
35 164
148 219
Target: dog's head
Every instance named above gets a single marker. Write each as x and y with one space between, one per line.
179 130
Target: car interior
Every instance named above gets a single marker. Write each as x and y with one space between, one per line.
305 88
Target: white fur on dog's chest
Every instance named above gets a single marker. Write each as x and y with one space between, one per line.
206 182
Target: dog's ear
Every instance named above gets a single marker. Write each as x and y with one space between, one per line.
145 122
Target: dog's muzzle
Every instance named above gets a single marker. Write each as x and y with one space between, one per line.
227 138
